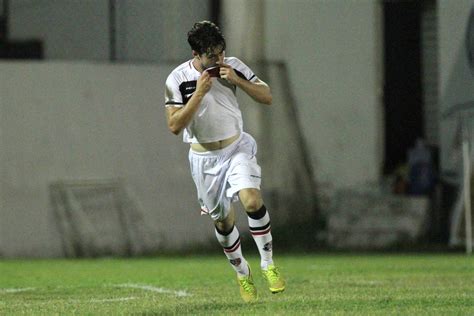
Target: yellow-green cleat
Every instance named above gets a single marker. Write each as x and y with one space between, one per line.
275 281
248 291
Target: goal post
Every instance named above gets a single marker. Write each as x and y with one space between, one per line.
461 226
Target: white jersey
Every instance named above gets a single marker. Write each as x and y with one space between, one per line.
219 116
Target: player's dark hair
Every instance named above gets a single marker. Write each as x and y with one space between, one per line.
205 36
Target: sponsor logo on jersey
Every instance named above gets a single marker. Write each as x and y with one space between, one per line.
187 89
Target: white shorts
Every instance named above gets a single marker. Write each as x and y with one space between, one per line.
220 174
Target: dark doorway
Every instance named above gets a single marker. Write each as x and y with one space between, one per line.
402 86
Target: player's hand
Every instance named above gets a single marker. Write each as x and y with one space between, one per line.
204 83
228 73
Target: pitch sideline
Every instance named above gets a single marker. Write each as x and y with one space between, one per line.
16 290
180 293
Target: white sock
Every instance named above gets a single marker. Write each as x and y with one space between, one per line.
260 228
233 251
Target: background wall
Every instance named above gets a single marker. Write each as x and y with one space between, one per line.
55 132
456 80
69 29
324 75
146 30
65 121
334 53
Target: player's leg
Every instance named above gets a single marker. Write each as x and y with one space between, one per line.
228 236
260 228
259 223
245 179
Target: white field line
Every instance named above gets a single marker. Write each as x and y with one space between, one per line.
118 299
179 293
73 301
155 289
17 290
25 289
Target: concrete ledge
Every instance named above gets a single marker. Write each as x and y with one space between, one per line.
375 220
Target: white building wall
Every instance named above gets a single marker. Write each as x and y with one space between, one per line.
334 54
69 29
64 121
332 48
146 30
52 112
456 81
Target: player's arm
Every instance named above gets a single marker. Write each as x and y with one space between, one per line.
257 90
179 118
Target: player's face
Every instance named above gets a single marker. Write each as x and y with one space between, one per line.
211 58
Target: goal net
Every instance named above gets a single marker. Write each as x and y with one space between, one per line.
99 218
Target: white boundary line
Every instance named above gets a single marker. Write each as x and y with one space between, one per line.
180 293
118 299
161 290
75 301
17 290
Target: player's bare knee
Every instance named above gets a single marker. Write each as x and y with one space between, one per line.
251 205
251 200
224 227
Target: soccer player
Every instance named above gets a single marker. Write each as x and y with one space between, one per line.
201 101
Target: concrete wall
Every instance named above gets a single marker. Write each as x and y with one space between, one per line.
69 121
328 45
456 80
146 30
63 121
334 54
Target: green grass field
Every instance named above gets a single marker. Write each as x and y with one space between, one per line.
205 285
